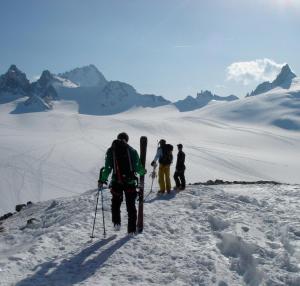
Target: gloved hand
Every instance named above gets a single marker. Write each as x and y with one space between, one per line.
100 183
153 164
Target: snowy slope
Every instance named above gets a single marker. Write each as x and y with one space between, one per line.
219 235
59 153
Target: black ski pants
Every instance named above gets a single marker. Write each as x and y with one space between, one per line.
117 191
179 179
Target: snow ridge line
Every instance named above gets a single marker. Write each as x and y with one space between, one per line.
221 182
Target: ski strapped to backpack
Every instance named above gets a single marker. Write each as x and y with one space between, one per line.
140 218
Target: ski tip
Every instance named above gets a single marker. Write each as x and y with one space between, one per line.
143 139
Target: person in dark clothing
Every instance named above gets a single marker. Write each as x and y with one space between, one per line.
124 161
180 168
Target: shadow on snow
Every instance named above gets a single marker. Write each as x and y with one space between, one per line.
164 197
75 269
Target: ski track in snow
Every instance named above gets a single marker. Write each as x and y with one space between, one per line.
207 235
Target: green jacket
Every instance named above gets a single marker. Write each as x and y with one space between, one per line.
109 164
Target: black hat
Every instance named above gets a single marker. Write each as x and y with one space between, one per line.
179 146
123 136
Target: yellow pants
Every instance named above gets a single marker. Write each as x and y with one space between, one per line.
164 177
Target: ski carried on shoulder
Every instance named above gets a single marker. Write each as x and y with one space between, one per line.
140 218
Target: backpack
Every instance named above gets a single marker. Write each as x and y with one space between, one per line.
122 163
167 156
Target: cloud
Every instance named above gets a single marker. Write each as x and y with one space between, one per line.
253 71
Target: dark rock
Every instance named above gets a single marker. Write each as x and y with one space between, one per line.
7 215
19 207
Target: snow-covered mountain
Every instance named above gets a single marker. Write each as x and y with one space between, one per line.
113 98
86 76
202 99
278 106
86 87
13 84
283 80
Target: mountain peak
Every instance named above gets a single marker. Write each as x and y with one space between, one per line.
46 76
86 76
285 75
13 68
205 94
14 81
283 79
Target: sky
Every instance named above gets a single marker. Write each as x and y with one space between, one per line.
172 48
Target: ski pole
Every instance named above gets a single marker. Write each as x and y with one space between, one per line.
153 176
103 219
92 236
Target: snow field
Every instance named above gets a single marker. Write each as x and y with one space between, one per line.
217 235
58 153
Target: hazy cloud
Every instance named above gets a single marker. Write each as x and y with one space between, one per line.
257 70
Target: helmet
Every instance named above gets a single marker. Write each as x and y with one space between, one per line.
123 136
162 142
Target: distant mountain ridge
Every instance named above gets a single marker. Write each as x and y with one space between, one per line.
93 94
86 86
202 99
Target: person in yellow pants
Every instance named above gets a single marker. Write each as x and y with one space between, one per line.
165 158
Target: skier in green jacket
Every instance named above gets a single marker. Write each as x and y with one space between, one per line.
124 161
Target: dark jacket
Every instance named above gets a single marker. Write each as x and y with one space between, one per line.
180 161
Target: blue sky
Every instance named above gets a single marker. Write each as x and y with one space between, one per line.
172 48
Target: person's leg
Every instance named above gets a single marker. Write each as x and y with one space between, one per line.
176 178
182 179
130 196
161 179
167 178
116 201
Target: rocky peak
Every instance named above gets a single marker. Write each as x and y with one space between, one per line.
285 75
14 81
86 76
283 79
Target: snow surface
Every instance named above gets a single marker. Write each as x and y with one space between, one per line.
206 235
58 153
